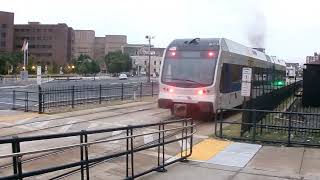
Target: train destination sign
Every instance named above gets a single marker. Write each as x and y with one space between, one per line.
246 82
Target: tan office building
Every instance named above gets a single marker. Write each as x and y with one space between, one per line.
99 48
109 43
84 43
48 43
114 43
6 31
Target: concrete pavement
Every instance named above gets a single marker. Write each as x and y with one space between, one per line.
269 163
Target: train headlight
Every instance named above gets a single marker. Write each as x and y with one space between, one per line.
200 92
171 90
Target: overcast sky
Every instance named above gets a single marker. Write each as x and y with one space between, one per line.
288 29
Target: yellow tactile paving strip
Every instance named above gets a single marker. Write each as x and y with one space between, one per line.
208 148
17 117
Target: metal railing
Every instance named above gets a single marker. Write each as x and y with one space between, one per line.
186 129
283 127
52 98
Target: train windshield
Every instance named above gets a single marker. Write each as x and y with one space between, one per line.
189 70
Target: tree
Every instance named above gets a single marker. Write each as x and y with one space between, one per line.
118 62
10 60
85 65
53 68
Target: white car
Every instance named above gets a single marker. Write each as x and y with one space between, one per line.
123 77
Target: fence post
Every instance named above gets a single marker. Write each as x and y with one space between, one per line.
163 159
40 99
152 88
26 101
14 100
127 154
216 122
72 97
86 150
100 98
122 91
17 165
81 156
159 141
220 121
254 125
289 131
131 150
140 89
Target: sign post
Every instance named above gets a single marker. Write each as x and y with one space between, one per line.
246 92
38 75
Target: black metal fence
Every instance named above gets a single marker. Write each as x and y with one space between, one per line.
274 113
18 160
273 98
275 126
267 95
52 98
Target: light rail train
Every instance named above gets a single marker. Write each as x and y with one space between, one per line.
199 76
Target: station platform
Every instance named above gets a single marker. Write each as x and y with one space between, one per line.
225 160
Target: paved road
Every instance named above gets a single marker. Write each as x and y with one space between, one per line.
6 91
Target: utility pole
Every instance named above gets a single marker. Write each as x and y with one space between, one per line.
149 54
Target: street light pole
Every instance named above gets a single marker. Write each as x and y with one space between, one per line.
149 53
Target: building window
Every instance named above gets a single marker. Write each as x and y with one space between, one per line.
4 26
154 62
145 62
3 44
27 30
3 35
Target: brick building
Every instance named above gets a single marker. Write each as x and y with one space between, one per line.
6 31
48 43
84 43
109 43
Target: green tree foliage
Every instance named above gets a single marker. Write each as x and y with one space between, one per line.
118 62
85 65
10 60
53 69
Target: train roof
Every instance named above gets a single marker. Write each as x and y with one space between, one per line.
226 45
237 48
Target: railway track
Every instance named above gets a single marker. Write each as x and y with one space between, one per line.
77 115
72 123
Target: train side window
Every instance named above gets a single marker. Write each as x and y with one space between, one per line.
230 78
223 80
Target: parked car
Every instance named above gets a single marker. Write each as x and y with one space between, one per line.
123 77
